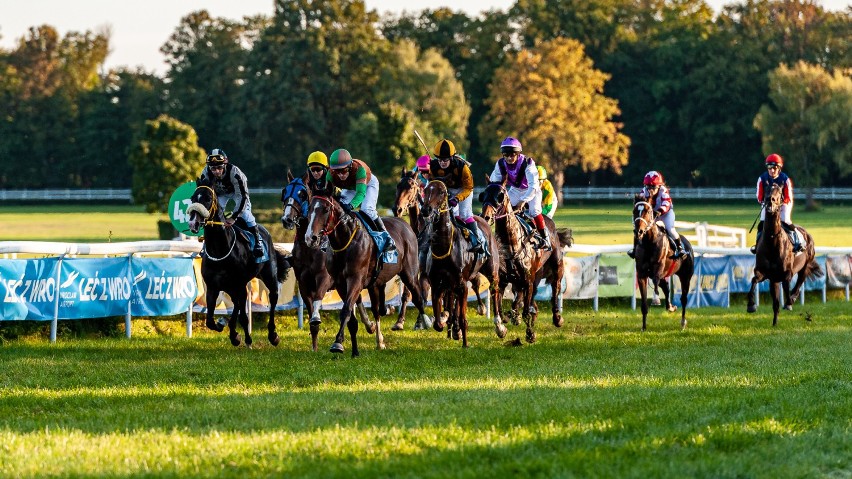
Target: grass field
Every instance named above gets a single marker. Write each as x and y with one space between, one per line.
604 223
729 397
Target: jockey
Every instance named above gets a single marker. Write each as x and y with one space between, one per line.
455 173
229 183
421 170
771 176
656 193
521 175
548 195
317 172
359 188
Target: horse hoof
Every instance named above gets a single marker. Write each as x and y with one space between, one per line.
438 326
371 328
788 307
655 302
501 331
399 325
235 340
558 321
274 339
456 334
531 337
751 308
315 321
215 326
381 346
336 348
672 309
480 310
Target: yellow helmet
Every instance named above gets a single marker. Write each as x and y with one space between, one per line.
542 173
318 158
445 149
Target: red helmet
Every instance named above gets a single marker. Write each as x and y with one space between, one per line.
653 178
775 159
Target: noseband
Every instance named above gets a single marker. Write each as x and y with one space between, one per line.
326 230
206 221
501 207
648 224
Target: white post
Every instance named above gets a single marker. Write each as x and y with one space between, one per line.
248 305
300 312
487 305
55 323
824 286
633 296
189 321
127 330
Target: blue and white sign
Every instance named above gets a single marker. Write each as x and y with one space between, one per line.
28 289
162 286
94 288
714 282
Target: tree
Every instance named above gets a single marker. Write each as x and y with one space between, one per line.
166 156
808 122
551 98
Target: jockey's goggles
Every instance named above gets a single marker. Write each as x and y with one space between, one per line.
317 169
217 167
772 166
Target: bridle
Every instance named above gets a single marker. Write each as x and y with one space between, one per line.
414 199
433 217
206 221
291 197
640 231
500 211
327 230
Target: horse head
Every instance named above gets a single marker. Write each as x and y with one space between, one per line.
643 217
774 199
434 201
325 214
204 208
495 202
295 198
407 191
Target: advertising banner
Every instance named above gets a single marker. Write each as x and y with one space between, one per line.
838 270
714 281
28 288
816 284
94 288
162 286
742 270
615 276
580 279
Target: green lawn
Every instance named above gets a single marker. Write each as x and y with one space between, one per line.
604 223
729 397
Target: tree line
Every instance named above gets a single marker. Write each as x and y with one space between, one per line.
598 91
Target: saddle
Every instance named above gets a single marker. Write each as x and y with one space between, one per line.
380 238
795 235
242 229
461 226
526 223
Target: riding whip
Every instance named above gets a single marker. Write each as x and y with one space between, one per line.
755 220
426 148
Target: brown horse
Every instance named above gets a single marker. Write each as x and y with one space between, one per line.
450 265
409 196
521 265
775 260
353 262
229 264
653 255
308 263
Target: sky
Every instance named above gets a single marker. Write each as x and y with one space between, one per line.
140 28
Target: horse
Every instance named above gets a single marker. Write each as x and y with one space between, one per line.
354 263
453 265
308 263
775 260
407 201
229 264
521 265
653 256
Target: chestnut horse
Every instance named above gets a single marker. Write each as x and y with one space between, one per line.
653 256
775 260
308 263
353 263
451 265
229 265
521 265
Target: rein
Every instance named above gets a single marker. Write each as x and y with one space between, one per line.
327 231
207 221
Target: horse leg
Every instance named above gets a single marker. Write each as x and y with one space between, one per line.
684 292
400 319
455 304
496 298
365 318
514 314
377 303
643 293
462 309
555 303
353 335
667 295
211 324
475 283
437 304
349 293
786 295
239 299
529 312
752 307
315 321
773 289
797 288
272 335
418 296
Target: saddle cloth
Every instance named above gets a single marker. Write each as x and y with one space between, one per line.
380 238
251 240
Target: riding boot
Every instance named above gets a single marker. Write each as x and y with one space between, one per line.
680 253
258 243
753 249
794 238
475 241
544 240
632 252
380 226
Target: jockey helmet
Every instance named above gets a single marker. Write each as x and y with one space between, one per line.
653 178
775 159
445 149
217 157
423 162
318 158
542 173
510 145
340 159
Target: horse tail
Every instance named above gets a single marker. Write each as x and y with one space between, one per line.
813 269
566 236
282 263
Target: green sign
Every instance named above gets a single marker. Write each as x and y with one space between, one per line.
178 204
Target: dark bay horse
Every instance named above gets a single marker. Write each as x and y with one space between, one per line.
309 263
409 196
775 260
353 263
653 259
451 265
521 265
229 264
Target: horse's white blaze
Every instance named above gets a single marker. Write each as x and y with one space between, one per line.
310 227
287 210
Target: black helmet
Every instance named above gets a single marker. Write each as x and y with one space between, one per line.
217 157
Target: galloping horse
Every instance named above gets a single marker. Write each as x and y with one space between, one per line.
309 263
229 264
353 263
521 265
407 201
775 260
452 265
653 259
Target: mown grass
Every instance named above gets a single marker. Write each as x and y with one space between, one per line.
604 223
729 397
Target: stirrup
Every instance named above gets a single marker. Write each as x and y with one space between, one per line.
632 253
753 249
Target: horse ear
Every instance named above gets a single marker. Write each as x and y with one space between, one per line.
289 175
